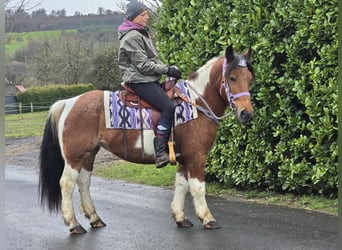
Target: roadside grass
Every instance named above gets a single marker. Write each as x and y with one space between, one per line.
165 177
32 124
15 41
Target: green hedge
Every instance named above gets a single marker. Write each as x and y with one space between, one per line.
291 143
43 97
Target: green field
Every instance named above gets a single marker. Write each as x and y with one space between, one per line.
15 41
23 125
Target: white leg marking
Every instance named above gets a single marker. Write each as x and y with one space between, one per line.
197 190
67 183
177 205
86 203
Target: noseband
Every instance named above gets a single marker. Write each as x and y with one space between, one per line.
224 84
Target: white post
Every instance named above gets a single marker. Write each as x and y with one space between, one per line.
31 107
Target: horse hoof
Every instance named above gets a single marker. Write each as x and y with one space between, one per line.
212 225
97 224
77 230
184 224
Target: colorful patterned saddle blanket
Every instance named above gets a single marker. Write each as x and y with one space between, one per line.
119 115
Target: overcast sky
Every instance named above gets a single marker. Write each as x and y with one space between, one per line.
83 6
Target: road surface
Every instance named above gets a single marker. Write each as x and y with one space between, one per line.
138 217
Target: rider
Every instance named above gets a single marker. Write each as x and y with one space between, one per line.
142 71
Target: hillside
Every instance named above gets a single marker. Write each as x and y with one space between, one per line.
27 23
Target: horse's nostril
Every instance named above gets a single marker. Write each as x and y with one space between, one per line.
245 115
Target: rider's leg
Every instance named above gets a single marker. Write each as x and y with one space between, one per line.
156 96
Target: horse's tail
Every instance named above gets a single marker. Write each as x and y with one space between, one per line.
51 161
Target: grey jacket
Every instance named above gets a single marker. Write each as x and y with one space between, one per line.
138 58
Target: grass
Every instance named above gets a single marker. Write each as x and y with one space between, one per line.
15 41
24 125
32 124
138 173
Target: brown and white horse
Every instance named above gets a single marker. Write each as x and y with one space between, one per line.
75 130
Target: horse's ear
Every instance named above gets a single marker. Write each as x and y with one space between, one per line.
230 53
248 53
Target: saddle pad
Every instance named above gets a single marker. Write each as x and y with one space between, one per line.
118 115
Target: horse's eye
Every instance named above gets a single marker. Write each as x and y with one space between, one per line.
232 78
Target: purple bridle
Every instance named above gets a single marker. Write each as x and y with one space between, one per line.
224 84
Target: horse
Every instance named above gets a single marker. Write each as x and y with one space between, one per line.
75 130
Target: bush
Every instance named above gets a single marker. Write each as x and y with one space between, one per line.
44 97
290 145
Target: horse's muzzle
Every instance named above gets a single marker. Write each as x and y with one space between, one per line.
244 115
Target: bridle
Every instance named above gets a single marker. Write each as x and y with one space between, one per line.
225 85
230 96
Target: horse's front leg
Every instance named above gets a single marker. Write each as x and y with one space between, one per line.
197 189
177 205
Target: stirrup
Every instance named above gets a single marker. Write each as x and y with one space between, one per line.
173 157
162 163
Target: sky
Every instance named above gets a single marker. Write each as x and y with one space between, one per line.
71 6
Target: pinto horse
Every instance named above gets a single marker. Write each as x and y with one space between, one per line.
75 130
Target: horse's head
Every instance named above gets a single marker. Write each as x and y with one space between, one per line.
238 74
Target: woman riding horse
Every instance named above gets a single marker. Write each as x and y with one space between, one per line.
76 129
142 71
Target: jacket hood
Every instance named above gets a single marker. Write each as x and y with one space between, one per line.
127 26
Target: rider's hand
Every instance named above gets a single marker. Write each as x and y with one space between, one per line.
174 72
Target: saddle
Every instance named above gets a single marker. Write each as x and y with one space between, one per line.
131 99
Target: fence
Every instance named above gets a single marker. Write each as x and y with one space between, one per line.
19 108
25 124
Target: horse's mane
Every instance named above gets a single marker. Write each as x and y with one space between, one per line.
205 68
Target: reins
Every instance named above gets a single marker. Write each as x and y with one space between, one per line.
208 112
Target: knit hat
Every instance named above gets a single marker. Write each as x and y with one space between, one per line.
134 9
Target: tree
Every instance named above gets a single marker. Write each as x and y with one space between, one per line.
104 72
64 60
53 13
75 58
100 11
61 13
77 13
41 13
16 12
15 72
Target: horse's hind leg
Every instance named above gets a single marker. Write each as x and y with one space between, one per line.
177 205
86 203
67 184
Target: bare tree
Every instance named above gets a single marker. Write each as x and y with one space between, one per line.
25 5
15 72
64 60
16 10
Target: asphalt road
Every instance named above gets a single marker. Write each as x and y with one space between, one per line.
138 217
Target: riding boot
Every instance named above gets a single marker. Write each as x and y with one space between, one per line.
160 148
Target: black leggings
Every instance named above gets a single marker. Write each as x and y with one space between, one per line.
154 94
